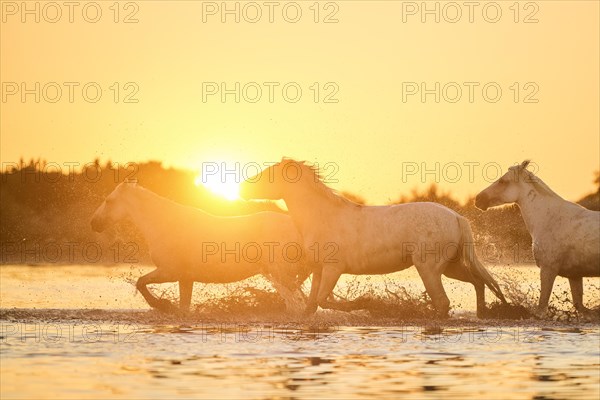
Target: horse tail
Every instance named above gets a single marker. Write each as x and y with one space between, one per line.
471 261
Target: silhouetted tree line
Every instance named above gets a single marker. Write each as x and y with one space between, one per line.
45 213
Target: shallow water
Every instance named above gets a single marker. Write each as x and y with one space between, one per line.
79 332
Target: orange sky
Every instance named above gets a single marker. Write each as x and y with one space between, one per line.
370 54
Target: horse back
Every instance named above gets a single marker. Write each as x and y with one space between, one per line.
383 239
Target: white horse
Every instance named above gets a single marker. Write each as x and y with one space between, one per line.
188 245
344 237
566 236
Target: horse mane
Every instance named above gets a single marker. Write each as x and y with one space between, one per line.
538 184
317 179
142 192
139 190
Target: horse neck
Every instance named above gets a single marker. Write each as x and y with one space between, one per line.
145 210
537 208
312 202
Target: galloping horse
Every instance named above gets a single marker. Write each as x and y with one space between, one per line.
566 236
188 245
372 239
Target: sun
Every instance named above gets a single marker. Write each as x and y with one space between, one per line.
226 187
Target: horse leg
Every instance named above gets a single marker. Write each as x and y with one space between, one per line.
156 276
311 306
432 279
547 277
480 296
328 281
294 299
186 287
459 272
577 293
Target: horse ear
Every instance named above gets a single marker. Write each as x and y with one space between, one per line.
524 164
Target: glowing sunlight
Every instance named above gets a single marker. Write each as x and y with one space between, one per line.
226 187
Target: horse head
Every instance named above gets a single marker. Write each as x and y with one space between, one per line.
505 190
113 208
272 182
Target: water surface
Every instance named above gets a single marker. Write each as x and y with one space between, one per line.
80 332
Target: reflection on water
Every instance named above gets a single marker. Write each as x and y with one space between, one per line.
65 341
257 361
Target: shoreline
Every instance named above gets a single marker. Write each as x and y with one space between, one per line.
323 318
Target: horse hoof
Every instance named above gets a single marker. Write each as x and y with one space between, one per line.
443 315
590 315
166 306
309 310
540 314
